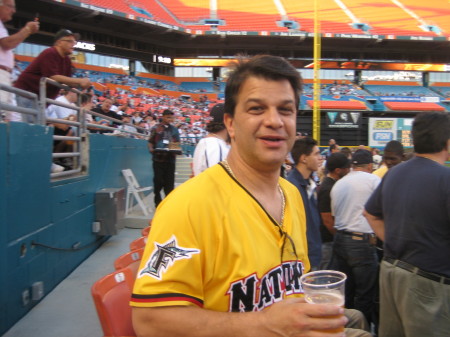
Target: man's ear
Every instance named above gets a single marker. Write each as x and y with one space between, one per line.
228 121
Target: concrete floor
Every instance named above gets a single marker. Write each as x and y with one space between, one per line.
68 311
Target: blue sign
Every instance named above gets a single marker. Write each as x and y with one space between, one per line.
383 136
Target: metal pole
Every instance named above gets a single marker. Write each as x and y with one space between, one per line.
316 86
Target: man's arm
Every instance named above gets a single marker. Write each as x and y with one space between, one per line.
84 83
12 41
151 147
376 223
291 317
328 221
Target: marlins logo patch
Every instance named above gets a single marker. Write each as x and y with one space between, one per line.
164 256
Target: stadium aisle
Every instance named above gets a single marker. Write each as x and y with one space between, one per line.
68 311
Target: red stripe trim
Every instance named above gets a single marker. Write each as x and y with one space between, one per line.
167 299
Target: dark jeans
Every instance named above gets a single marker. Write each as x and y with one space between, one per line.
163 178
357 258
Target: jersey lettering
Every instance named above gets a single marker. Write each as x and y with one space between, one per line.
253 294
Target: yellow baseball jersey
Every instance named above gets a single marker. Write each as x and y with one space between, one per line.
213 245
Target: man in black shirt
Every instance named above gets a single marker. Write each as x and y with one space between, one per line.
338 165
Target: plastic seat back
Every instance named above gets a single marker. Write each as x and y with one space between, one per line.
138 243
111 296
130 260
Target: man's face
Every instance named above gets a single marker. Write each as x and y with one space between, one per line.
71 97
262 130
341 172
106 105
168 119
391 159
7 10
66 44
314 161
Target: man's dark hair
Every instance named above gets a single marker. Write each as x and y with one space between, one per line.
302 146
85 98
430 132
337 160
396 147
263 66
346 151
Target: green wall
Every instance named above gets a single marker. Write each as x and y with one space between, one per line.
57 214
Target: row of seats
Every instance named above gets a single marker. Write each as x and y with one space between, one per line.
112 293
263 15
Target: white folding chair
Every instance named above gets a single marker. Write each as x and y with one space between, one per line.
134 190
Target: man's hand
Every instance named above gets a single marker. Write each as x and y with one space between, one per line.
84 83
295 317
32 27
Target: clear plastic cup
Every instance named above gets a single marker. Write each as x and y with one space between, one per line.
325 287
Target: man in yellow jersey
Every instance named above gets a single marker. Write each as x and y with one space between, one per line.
227 248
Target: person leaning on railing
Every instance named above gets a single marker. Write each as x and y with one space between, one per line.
54 63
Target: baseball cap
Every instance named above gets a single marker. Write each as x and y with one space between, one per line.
65 32
337 160
167 112
361 157
217 112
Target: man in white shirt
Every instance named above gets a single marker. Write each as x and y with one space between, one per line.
60 112
7 44
354 247
214 147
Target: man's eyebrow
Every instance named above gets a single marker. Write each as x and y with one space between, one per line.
258 100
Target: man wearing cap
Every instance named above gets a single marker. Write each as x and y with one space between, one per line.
338 165
354 250
162 138
7 44
54 63
214 147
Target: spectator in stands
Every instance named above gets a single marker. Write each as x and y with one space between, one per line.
213 148
410 212
7 44
219 228
393 155
307 160
54 63
354 251
338 165
127 127
56 111
160 142
105 110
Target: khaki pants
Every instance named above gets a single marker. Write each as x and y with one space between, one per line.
7 97
412 305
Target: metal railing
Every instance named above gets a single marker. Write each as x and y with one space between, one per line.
80 127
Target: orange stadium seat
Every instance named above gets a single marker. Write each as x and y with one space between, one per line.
383 16
138 243
111 295
130 260
339 105
414 106
145 230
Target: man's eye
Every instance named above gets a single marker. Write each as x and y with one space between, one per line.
286 110
255 109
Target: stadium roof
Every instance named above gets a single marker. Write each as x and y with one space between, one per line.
361 30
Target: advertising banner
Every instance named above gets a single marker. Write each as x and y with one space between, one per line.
382 131
343 120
